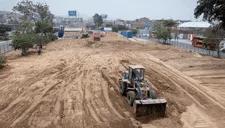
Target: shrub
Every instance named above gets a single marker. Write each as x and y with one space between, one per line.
2 61
24 42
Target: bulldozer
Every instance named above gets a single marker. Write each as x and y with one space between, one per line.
140 94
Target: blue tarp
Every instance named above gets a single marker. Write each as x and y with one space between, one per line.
127 34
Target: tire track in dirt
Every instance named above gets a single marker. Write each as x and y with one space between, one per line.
181 78
34 105
22 88
183 84
89 93
106 92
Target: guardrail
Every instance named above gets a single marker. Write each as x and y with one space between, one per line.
5 47
189 47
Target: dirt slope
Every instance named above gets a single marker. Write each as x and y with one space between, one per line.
74 84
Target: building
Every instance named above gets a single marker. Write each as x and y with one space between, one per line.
143 20
140 23
187 29
72 22
120 22
106 29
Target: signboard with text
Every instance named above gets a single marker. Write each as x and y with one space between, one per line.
72 13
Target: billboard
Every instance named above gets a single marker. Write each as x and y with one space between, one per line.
72 13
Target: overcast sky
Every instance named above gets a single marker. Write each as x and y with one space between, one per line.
124 9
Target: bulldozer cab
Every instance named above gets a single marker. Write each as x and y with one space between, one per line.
136 73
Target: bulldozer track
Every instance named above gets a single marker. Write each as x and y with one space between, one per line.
77 85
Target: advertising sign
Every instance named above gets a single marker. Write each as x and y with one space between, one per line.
72 13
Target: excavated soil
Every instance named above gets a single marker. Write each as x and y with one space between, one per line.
75 84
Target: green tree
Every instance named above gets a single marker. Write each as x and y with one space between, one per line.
26 27
212 10
162 32
37 13
134 31
169 24
119 28
23 41
109 25
35 25
43 27
214 35
97 20
3 31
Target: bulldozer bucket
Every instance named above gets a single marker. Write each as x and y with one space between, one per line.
153 107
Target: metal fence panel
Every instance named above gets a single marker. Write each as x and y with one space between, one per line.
5 47
191 48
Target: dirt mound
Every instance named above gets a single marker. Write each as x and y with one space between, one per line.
75 83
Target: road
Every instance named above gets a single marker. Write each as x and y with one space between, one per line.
75 83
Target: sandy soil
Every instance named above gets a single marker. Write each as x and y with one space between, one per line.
74 84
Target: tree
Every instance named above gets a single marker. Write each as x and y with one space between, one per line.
43 27
134 31
26 27
119 28
109 25
35 25
23 41
169 24
37 13
215 32
212 10
3 31
214 35
162 32
97 20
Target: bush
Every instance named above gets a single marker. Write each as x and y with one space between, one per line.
24 42
134 31
41 39
3 32
2 61
52 37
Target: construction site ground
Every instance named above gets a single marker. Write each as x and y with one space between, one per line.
75 84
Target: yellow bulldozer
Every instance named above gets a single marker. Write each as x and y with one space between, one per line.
139 93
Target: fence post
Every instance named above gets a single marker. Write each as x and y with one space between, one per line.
4 48
7 46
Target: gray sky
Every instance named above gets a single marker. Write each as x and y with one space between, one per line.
124 9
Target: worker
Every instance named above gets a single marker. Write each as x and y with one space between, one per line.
40 49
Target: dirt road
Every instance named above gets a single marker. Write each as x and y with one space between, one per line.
74 83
